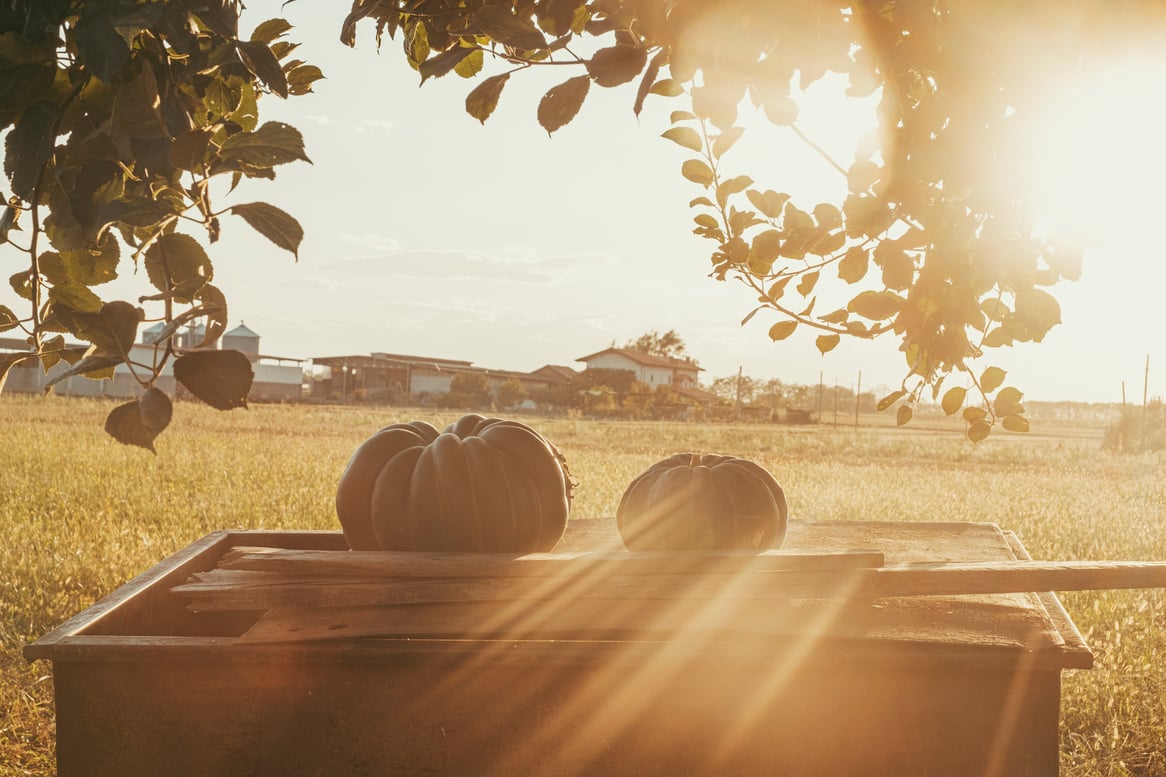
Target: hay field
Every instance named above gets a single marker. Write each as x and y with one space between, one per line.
80 514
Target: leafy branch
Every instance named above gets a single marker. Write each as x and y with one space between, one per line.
114 106
926 238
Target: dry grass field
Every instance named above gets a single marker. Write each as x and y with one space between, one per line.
80 514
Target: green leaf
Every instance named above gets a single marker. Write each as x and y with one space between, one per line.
509 29
99 47
471 65
10 360
1039 310
257 58
616 65
770 203
136 107
1015 423
21 283
482 101
222 379
726 140
991 378
781 110
974 414
782 329
827 343
737 183
808 282
134 212
684 136
903 415
997 338
876 305
96 366
8 319
141 421
891 399
1007 401
76 296
271 30
214 306
767 245
648 79
667 87
697 171
188 151
95 265
416 42
274 224
112 330
854 264
828 244
979 431
443 63
839 316
994 309
274 143
28 147
862 175
178 264
898 267
828 216
953 400
560 104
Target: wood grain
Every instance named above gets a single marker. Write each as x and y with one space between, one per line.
571 564
227 589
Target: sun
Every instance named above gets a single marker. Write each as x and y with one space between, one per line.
1100 166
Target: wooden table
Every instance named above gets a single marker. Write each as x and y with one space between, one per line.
954 685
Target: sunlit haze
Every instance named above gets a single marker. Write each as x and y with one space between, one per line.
430 234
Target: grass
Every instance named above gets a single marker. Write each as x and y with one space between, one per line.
80 514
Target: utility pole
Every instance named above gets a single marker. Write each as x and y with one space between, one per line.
836 402
820 390
857 394
737 401
1145 395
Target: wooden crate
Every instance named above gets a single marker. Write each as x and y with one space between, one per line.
933 685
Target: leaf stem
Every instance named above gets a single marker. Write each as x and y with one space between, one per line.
821 151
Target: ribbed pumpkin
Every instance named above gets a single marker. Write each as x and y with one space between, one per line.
481 485
703 501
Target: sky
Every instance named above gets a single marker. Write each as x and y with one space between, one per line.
428 233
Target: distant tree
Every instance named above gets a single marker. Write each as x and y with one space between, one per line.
469 389
669 345
510 394
619 381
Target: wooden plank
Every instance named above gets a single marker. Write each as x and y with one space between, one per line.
583 619
572 564
236 589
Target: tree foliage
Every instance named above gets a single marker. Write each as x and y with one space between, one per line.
934 240
121 118
669 345
121 114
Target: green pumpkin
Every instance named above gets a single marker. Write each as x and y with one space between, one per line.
703 501
482 485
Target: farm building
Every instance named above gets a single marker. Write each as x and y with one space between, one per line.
648 369
388 375
276 378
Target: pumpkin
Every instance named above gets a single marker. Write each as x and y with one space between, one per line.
479 485
703 501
